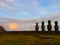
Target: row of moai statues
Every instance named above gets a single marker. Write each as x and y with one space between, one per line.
49 26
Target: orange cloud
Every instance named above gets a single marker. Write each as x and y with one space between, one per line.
13 26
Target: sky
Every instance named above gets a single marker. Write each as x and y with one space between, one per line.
21 15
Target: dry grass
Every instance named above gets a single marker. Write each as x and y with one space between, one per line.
22 39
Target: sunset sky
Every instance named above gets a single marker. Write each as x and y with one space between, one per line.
21 15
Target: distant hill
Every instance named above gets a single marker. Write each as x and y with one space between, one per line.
2 29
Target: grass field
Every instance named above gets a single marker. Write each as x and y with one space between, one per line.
28 39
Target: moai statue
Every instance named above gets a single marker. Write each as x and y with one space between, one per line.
49 26
56 27
36 27
43 26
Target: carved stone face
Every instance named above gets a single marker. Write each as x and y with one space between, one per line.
56 22
49 22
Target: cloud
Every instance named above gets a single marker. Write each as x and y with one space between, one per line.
6 4
23 24
27 8
54 16
31 6
10 5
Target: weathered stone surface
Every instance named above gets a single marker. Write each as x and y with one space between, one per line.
37 27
